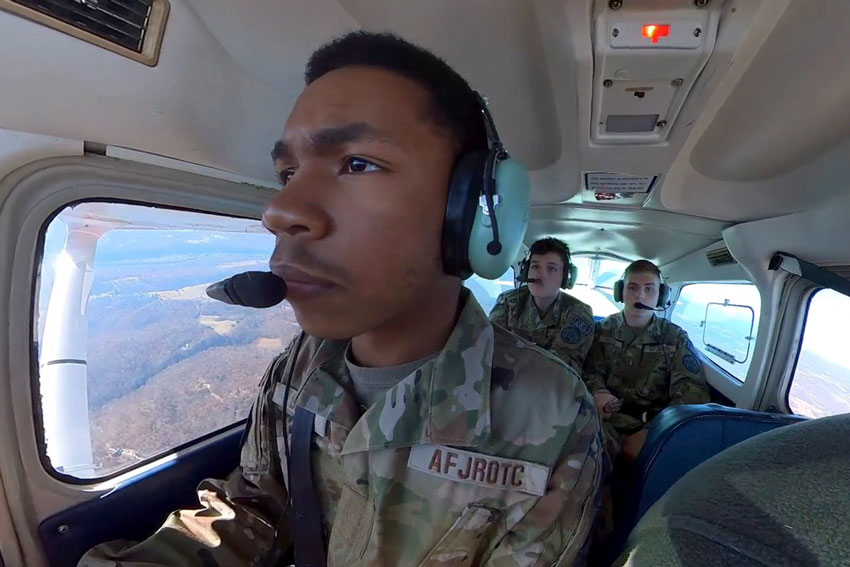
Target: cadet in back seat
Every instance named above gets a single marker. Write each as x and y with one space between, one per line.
542 312
640 364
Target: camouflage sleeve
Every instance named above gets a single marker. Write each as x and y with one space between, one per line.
575 337
237 518
556 530
499 314
687 378
594 370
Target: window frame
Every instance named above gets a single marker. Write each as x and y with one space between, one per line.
738 382
803 281
749 337
800 335
35 376
30 197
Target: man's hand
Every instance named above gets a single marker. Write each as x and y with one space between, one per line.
606 403
632 445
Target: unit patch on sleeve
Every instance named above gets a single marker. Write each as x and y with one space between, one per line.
691 363
570 335
583 326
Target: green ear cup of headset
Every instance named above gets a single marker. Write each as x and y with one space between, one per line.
572 276
513 190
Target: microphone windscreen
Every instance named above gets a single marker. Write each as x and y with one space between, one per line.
250 289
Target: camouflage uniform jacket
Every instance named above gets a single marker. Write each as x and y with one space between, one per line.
566 329
489 454
659 368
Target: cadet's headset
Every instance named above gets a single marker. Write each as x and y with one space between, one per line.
487 209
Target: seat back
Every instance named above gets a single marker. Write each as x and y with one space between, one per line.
778 498
682 437
679 439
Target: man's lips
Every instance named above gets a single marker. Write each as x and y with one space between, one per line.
301 283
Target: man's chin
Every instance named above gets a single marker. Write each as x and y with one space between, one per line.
322 325
539 291
638 313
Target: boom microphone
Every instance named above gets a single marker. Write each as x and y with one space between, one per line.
530 280
250 289
647 307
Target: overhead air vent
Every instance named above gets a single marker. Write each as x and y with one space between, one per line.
132 28
720 257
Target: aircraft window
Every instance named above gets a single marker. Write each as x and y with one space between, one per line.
595 283
609 272
487 291
722 321
134 359
820 385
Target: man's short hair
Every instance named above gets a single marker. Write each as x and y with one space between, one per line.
642 267
546 245
453 106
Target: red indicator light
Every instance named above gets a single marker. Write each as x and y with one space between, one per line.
656 31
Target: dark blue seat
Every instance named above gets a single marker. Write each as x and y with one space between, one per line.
773 499
682 437
679 439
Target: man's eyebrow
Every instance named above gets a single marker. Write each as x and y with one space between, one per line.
281 151
330 138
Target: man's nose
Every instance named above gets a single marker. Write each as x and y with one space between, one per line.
296 210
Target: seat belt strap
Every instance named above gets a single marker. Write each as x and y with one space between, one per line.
307 515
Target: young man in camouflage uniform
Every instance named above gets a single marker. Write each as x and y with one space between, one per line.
439 438
640 364
542 312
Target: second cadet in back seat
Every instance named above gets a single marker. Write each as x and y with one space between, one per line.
640 364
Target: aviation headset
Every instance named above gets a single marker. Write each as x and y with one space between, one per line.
663 292
570 270
487 209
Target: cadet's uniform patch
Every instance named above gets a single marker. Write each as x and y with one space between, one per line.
570 335
691 363
483 470
662 349
583 326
